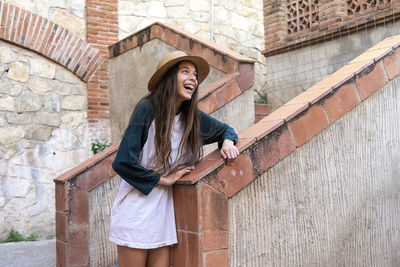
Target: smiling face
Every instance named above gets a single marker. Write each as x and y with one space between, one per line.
186 81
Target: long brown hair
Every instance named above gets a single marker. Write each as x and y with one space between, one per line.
163 99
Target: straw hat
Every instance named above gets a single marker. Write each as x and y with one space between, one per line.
171 59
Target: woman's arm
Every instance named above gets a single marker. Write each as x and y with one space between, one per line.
213 130
126 160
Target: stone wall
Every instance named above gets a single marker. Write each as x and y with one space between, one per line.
238 24
43 132
69 14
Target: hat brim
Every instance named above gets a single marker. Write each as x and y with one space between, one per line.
202 67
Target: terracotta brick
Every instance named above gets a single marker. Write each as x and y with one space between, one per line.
262 108
79 206
310 96
226 93
353 68
170 37
78 245
286 112
218 258
62 254
187 207
61 199
245 81
371 80
70 174
156 32
197 49
244 143
375 55
216 85
392 64
183 44
232 178
272 149
208 104
215 218
208 164
61 226
231 65
188 250
245 68
308 125
261 129
342 101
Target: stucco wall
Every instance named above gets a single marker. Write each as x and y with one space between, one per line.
333 202
129 74
43 133
290 73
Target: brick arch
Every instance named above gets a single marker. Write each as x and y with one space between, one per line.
36 33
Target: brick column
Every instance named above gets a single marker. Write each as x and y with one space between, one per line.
102 31
331 13
203 228
274 22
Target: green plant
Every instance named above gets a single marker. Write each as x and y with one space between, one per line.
13 236
32 237
262 98
99 146
49 237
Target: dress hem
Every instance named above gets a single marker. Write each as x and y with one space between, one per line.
141 245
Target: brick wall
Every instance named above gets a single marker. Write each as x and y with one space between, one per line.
303 22
102 31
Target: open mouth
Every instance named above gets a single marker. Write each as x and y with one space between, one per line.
189 87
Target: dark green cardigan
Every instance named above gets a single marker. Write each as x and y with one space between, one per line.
126 160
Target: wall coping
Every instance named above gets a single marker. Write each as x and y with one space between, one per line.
301 118
216 55
36 33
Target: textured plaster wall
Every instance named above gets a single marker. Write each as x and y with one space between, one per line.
43 133
129 74
333 202
290 73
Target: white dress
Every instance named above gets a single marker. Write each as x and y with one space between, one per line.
146 222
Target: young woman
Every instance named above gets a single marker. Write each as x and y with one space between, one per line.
161 144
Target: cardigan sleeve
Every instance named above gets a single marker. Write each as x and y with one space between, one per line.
125 163
212 130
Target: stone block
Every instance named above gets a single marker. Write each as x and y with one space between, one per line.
11 150
51 103
199 5
71 23
15 90
38 133
7 103
27 102
10 134
169 3
7 55
47 118
18 71
13 187
42 67
64 75
73 102
72 119
156 9
16 118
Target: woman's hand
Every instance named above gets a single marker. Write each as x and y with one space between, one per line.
229 150
171 178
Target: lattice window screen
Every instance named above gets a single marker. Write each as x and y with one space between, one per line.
301 15
357 6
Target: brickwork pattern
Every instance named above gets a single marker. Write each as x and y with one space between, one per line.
292 24
41 35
